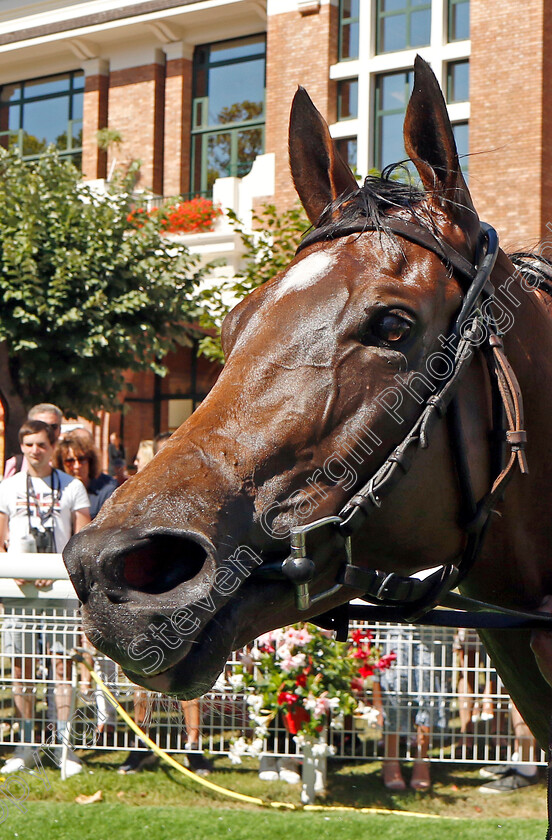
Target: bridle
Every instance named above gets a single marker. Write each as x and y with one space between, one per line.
409 599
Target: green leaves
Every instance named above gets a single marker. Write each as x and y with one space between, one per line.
85 296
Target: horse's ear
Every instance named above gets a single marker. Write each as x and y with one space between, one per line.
319 172
429 142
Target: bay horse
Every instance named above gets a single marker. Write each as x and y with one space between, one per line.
390 348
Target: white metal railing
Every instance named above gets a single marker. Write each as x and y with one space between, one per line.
438 680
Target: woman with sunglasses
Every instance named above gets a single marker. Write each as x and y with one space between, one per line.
77 455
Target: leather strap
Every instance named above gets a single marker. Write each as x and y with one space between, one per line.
408 229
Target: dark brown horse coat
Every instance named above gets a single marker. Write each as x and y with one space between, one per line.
170 572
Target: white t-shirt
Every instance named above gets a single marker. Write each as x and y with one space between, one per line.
33 507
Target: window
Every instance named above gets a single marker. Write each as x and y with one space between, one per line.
347 99
461 136
348 29
37 113
402 24
458 81
347 148
458 20
228 109
392 94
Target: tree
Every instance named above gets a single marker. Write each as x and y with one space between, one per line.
268 249
86 294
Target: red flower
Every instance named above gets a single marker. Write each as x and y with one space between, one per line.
386 661
359 636
287 697
366 671
301 680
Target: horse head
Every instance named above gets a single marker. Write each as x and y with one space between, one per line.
326 368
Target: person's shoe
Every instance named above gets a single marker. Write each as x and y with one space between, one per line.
22 757
137 761
494 771
12 765
288 771
268 770
73 765
509 782
200 765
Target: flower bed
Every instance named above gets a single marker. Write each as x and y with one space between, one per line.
198 215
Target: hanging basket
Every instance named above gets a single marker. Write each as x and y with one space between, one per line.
293 720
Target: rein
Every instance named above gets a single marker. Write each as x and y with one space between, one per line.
390 596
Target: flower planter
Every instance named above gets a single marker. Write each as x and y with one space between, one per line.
294 719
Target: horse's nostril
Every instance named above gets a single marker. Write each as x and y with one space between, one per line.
162 563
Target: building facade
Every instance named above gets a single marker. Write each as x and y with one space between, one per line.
200 90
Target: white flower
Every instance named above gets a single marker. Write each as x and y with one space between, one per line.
299 660
367 713
310 703
338 721
299 739
256 747
334 704
255 702
322 749
237 749
261 731
236 681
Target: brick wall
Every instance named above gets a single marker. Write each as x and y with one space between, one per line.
96 92
137 110
300 50
511 117
178 107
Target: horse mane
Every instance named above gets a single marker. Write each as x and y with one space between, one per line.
379 195
534 267
372 201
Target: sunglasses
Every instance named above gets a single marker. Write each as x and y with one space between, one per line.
80 458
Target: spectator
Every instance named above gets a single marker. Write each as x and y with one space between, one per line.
144 455
522 772
160 440
411 674
43 506
120 471
470 657
115 453
49 414
77 456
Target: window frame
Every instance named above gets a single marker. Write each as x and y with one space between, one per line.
340 84
450 18
202 130
343 22
72 152
449 80
407 10
379 112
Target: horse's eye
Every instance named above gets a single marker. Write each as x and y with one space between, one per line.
391 327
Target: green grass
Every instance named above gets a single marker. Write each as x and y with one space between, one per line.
63 821
162 804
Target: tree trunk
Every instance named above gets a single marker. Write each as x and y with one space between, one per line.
14 411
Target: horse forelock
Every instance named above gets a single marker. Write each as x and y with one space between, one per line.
372 205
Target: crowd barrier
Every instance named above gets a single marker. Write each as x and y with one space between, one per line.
452 680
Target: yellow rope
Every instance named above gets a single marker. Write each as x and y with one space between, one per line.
252 800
